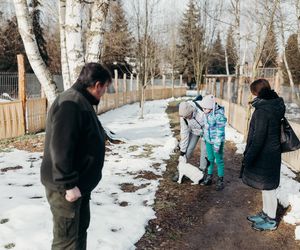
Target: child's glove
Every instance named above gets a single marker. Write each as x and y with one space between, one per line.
182 153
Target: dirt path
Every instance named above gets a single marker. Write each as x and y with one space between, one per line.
198 217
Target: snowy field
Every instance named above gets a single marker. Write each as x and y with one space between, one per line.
121 205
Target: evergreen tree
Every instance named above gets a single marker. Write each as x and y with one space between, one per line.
217 60
269 52
231 51
293 59
117 40
38 30
191 37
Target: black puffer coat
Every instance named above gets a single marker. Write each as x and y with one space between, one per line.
262 157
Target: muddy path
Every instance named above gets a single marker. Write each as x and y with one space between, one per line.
198 217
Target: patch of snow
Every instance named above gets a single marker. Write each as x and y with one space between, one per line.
232 135
115 214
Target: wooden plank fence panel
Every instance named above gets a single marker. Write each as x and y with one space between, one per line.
11 120
36 114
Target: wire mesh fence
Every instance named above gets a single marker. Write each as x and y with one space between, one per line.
8 86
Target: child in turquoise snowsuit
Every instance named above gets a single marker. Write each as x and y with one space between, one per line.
214 136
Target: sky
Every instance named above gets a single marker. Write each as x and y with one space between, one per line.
169 13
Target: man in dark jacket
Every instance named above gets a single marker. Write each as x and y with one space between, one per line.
74 155
262 156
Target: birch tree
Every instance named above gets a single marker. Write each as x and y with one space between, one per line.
143 15
39 67
73 35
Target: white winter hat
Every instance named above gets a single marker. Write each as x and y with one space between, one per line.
208 102
185 109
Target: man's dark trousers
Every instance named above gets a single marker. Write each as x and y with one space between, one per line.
70 221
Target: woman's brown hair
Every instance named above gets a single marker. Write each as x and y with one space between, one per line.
258 85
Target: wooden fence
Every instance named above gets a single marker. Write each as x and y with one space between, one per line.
11 120
14 123
237 114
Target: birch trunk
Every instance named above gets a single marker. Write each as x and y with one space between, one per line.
73 34
39 67
64 60
226 62
95 34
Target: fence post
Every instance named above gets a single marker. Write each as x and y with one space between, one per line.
221 87
215 86
152 88
180 80
277 83
131 88
164 86
124 90
137 93
22 85
172 86
229 98
116 89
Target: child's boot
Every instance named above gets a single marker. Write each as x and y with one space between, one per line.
208 180
220 184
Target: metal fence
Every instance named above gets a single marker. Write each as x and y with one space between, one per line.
8 86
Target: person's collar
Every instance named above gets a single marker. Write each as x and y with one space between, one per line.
91 99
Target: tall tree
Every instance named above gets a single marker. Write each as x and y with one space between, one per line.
269 51
231 51
118 41
293 59
190 33
73 52
217 60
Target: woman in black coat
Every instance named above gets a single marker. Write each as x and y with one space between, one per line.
262 156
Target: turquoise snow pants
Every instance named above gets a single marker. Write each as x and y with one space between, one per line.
215 157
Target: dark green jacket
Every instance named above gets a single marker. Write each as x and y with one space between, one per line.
75 143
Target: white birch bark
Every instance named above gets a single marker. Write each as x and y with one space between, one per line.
64 60
39 67
226 62
73 34
94 38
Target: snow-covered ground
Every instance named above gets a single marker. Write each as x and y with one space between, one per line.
292 112
118 218
121 205
288 192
